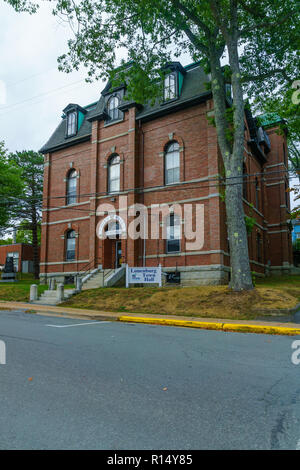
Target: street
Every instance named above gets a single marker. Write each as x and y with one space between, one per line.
76 384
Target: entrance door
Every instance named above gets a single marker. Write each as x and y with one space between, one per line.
118 254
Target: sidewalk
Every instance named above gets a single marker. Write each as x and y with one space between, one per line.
244 326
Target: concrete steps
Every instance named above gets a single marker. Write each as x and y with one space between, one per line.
49 297
94 280
97 280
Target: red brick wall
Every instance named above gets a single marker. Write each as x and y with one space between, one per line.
25 253
141 147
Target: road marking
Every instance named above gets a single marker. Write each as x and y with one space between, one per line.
78 324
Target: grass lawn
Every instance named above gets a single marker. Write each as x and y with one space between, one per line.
19 291
206 301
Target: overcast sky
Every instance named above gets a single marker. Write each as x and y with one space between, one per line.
33 92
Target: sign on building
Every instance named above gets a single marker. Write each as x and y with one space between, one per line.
143 276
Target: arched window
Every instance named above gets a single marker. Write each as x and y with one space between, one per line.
114 174
113 110
70 245
172 163
170 87
245 183
71 124
72 187
173 233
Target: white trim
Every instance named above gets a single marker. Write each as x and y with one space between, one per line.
114 136
196 180
66 207
276 164
190 253
275 184
65 221
278 231
51 263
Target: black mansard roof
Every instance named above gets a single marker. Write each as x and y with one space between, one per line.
193 91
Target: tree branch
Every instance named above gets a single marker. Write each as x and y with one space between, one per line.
263 76
193 17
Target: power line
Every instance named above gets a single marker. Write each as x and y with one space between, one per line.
29 77
20 103
219 183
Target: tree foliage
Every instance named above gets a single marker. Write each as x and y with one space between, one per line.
27 209
10 187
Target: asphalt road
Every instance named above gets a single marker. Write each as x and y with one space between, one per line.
72 384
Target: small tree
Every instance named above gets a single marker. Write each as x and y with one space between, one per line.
10 187
28 207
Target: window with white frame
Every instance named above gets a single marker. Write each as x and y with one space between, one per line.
173 233
70 245
170 87
113 108
114 174
72 187
172 163
71 124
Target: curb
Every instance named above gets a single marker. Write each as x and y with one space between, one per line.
205 325
233 327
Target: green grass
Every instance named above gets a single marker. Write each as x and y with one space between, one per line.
289 284
19 291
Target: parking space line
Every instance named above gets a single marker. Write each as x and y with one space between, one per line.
78 324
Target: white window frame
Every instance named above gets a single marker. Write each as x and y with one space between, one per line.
114 163
72 124
172 154
170 84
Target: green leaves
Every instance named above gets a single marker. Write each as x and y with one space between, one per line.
10 186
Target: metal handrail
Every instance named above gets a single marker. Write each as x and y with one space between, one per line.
83 272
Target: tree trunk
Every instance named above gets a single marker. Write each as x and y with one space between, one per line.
232 154
241 278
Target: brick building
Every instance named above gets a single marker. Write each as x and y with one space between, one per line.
22 254
158 155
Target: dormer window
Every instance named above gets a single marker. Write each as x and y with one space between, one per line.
71 123
113 108
74 117
170 87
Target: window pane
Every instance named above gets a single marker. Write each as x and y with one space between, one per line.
113 110
172 164
173 246
70 245
173 233
72 187
170 87
114 174
71 123
114 185
115 171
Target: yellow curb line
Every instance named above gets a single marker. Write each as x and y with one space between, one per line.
271 330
